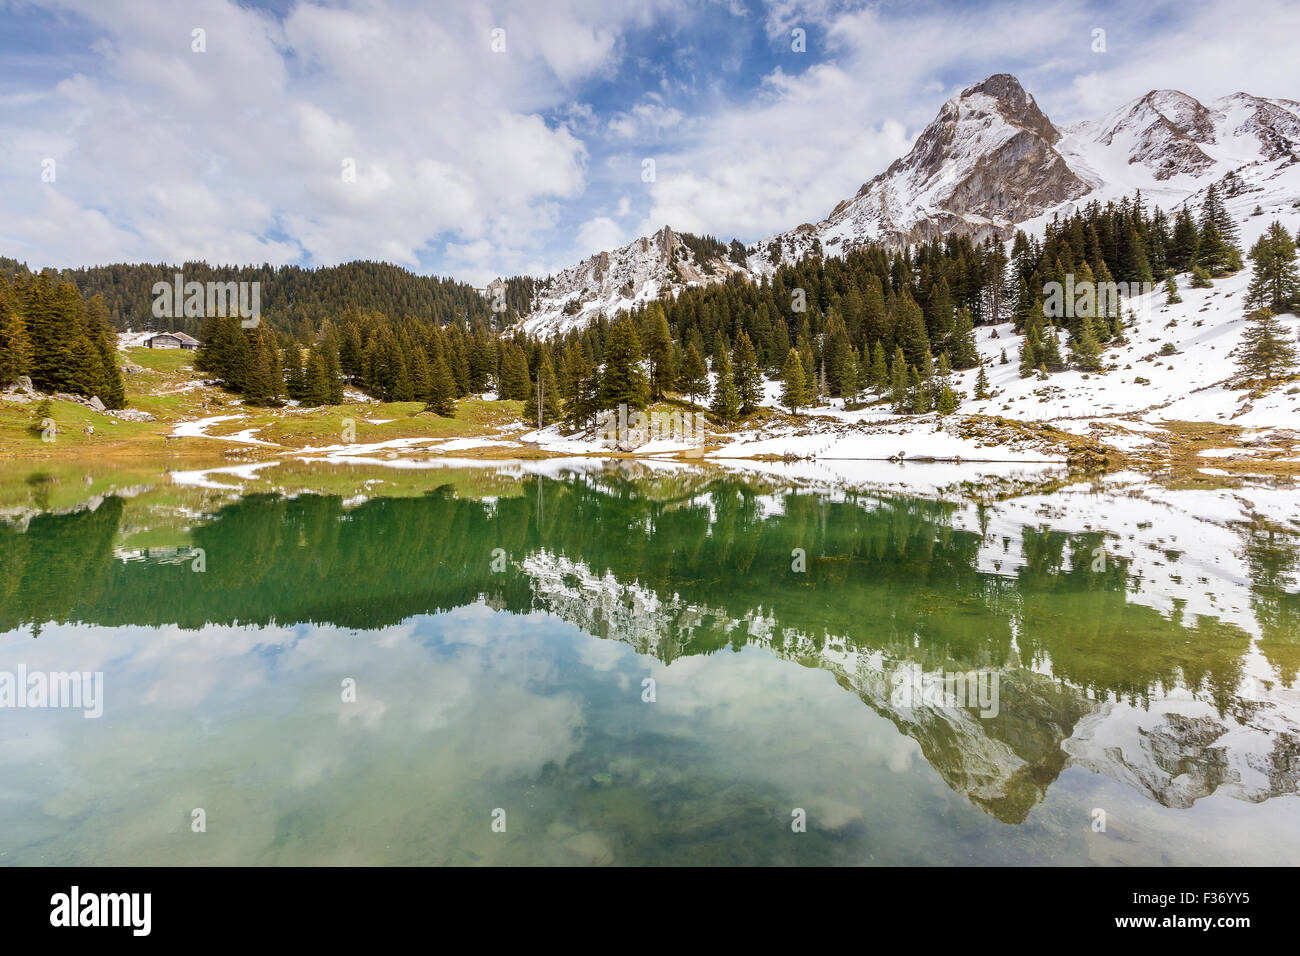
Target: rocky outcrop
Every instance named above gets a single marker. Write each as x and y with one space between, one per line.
621 279
987 162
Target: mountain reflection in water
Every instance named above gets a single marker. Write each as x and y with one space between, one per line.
1122 680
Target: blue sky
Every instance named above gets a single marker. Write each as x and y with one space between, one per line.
120 140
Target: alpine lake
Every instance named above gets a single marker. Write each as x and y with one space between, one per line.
596 662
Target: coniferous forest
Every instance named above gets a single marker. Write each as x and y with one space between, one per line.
876 324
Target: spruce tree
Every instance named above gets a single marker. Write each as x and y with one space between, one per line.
1029 355
1171 290
623 381
1275 282
659 349
693 380
294 381
912 337
1050 353
514 383
878 378
51 350
1266 351
939 315
748 376
580 386
1182 251
419 371
725 403
111 390
315 388
780 339
549 392
1084 349
963 351
794 388
442 388
919 391
946 403
333 370
15 348
1212 253
898 383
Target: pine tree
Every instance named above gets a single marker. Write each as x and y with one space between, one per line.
748 376
693 380
442 388
794 388
315 388
1084 349
659 349
1212 252
294 382
964 353
1275 282
580 386
1029 355
946 403
1171 290
549 391
898 384
623 381
912 337
1266 351
982 384
15 348
726 403
878 377
514 383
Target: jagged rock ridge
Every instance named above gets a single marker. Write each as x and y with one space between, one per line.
989 163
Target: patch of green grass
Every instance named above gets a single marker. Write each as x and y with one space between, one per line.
161 360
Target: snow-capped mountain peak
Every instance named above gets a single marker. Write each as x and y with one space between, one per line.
990 162
987 161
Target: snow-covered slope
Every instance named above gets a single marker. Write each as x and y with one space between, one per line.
609 282
990 162
987 161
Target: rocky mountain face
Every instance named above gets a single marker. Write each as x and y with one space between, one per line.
611 281
1167 136
989 163
986 162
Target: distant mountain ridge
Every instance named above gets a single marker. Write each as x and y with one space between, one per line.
989 163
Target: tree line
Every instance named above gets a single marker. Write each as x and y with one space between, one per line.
59 338
297 300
